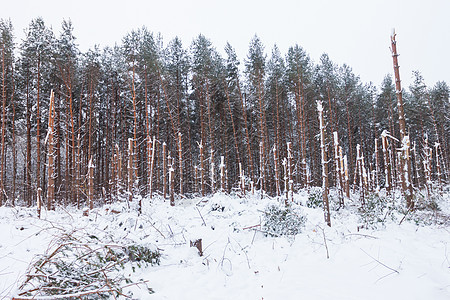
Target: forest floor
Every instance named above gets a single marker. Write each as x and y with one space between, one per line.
376 254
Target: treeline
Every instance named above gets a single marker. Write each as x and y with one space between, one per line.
147 117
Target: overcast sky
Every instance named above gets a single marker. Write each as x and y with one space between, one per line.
355 32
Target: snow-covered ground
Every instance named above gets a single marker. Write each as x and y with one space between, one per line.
387 261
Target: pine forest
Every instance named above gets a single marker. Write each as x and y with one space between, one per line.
160 123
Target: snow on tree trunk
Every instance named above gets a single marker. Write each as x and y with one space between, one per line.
164 150
405 167
91 184
326 207
338 169
261 167
51 158
180 161
289 167
2 174
277 179
387 165
212 167
438 166
286 180
202 179
377 168
428 153
130 170
359 171
242 179
152 162
171 181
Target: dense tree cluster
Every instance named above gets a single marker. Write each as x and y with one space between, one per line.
148 117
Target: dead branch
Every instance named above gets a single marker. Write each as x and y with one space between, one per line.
380 262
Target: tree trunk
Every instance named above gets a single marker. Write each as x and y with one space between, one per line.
404 163
51 155
326 207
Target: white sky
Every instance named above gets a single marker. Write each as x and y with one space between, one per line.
355 32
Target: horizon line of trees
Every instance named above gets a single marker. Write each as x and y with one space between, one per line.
146 117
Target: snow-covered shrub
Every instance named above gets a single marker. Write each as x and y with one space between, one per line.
85 268
374 211
315 198
280 221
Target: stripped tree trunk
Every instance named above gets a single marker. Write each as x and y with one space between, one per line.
438 166
417 165
326 207
286 179
387 164
337 169
289 168
222 174
428 153
171 180
377 167
347 180
359 169
405 166
212 169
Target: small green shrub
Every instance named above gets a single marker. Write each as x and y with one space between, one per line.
315 198
279 221
139 253
374 212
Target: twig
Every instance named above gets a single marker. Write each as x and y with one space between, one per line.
151 224
250 227
407 212
363 235
204 223
325 241
242 249
77 295
379 262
